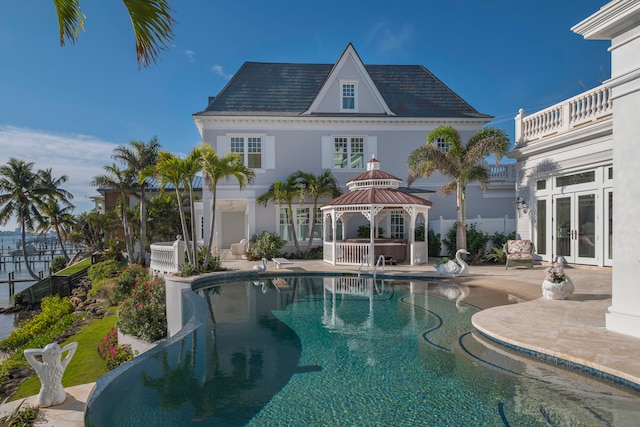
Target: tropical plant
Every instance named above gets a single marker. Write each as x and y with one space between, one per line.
285 192
143 313
91 228
435 245
265 245
122 181
56 207
21 197
58 263
497 255
141 159
317 186
126 281
215 169
460 162
180 173
151 20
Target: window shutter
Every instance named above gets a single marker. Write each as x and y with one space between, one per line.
269 157
222 146
327 152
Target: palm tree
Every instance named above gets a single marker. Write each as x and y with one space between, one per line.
141 159
179 172
216 168
152 23
121 180
317 186
285 192
57 208
20 196
460 162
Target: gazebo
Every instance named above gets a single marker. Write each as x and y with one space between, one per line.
373 196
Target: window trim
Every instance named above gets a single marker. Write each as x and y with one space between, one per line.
349 141
353 83
246 152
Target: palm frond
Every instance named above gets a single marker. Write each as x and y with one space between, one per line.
153 28
70 20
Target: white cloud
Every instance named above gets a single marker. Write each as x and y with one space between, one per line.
190 55
390 41
80 157
217 69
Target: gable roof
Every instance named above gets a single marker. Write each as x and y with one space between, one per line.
288 89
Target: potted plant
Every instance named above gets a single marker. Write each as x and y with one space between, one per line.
556 285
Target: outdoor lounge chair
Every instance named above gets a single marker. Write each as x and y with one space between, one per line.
519 252
239 248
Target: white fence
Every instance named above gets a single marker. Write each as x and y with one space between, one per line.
490 226
167 257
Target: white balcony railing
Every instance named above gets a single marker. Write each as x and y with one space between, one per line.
588 107
167 257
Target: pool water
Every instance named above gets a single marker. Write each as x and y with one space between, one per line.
348 351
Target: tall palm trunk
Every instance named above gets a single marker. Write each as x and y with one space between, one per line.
183 224
23 233
127 234
293 229
59 236
143 227
461 228
211 224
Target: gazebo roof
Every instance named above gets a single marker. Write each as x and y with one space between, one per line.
376 187
377 196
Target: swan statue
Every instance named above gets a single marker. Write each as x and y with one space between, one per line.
262 267
451 268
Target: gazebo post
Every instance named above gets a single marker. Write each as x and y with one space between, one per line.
372 236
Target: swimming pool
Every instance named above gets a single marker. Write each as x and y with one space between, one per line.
343 350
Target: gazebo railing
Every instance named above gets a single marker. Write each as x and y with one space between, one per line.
351 253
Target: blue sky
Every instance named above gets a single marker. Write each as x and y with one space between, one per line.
68 107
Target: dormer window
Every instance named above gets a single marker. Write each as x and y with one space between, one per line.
348 96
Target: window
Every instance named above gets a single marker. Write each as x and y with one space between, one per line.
348 153
250 148
397 226
442 145
302 217
541 184
349 96
579 178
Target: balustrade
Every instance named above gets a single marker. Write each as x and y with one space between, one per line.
587 107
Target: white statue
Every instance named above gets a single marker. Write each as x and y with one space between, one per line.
453 268
262 267
557 285
50 371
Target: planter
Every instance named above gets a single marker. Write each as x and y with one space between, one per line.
557 291
137 345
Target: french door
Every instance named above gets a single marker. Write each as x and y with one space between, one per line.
574 228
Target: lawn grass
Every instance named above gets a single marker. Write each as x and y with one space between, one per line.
75 267
86 366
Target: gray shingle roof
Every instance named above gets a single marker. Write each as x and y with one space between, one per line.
289 89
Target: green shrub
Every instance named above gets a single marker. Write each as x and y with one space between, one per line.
265 245
499 239
435 246
143 313
114 354
58 263
214 262
104 270
126 280
53 310
476 241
